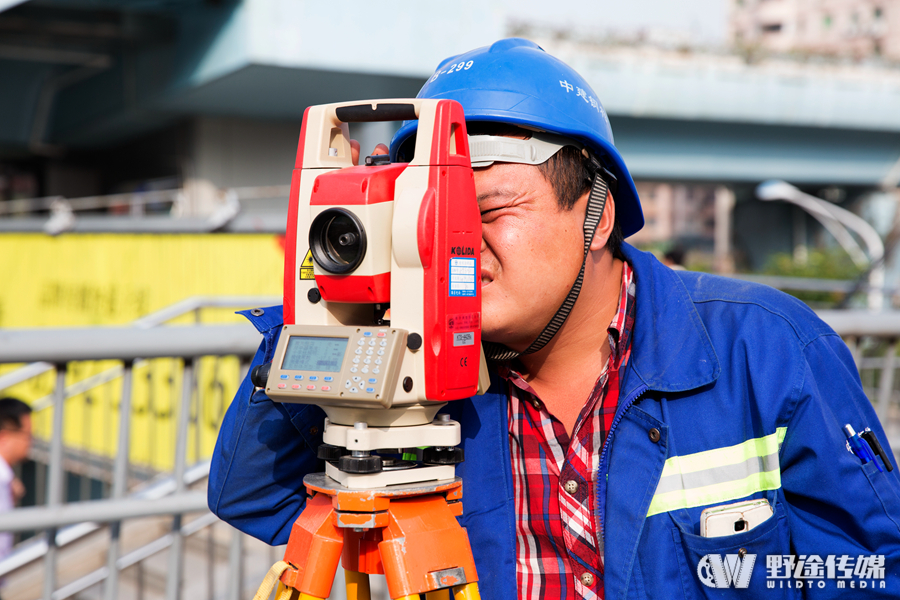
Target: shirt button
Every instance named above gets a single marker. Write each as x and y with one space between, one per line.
571 487
587 579
536 404
654 435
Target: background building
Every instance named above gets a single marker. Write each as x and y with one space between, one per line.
842 28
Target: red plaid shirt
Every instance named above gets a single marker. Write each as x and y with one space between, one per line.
559 550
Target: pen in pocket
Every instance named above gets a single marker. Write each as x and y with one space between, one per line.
860 447
869 435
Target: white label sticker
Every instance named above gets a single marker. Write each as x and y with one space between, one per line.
462 276
467 338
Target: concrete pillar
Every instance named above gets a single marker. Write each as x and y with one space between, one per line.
724 261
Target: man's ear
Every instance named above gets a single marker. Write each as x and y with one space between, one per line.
605 227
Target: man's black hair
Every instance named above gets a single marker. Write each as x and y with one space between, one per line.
11 412
568 171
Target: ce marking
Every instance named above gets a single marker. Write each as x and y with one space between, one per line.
464 361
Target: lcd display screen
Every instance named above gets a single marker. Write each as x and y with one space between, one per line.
323 354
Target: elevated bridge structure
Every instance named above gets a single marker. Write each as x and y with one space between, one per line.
87 75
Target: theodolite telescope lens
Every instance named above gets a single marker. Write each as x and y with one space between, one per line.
348 239
337 240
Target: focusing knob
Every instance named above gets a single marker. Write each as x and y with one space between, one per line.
443 456
330 453
260 375
360 464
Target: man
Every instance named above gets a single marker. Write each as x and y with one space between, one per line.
15 442
626 398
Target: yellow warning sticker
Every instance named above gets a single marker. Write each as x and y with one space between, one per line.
306 267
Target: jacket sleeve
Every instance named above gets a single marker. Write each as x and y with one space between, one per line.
263 451
838 506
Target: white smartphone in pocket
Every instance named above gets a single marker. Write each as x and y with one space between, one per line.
732 519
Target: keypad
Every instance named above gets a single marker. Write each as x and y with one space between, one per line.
361 370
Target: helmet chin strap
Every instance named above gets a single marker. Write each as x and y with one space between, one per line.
593 213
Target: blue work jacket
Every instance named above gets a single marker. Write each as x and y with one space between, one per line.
733 391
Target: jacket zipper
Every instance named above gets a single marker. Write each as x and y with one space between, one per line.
601 475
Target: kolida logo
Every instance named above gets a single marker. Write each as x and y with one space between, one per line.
734 570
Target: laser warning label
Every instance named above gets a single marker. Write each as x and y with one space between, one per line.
462 276
306 267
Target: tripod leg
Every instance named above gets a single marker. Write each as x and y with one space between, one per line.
314 549
468 591
437 595
357 585
425 549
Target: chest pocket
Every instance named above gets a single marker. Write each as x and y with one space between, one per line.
734 566
728 566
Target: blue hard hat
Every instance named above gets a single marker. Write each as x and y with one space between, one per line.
514 81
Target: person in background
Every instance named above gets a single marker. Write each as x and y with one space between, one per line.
15 442
674 258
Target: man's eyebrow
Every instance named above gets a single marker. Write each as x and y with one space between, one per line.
495 193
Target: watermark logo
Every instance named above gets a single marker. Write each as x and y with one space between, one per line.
717 572
794 571
811 570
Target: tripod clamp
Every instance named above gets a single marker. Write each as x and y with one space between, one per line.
408 533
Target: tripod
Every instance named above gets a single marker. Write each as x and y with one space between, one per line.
408 533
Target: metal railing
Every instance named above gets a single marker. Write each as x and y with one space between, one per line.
59 348
128 212
193 306
872 338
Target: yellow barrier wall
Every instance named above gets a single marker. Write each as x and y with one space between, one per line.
112 279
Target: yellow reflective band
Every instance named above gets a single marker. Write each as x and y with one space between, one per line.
711 494
712 466
721 457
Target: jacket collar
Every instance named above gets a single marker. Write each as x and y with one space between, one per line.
671 350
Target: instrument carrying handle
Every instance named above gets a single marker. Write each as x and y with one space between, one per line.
371 113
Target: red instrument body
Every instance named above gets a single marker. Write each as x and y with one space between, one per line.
426 207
